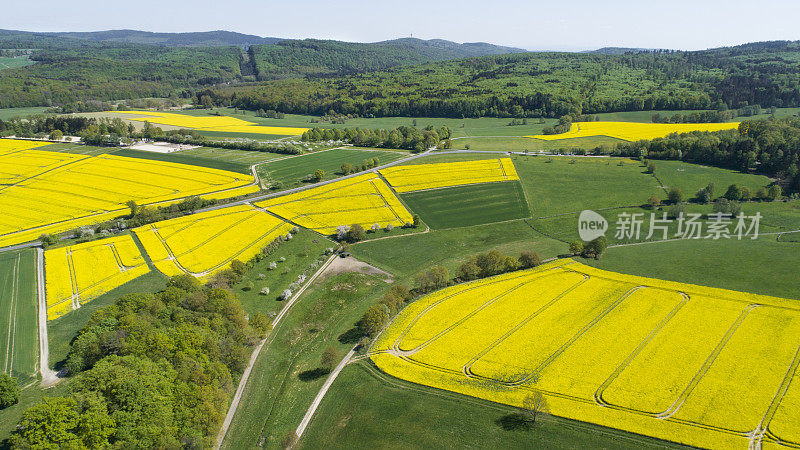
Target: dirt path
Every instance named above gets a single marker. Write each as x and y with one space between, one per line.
324 390
49 376
246 374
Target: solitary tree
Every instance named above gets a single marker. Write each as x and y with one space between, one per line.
529 259
330 357
417 220
651 167
675 195
653 201
576 247
534 406
355 233
319 174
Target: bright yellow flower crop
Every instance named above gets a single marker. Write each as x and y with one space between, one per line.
702 366
364 200
49 192
202 244
211 123
15 145
633 131
80 273
416 177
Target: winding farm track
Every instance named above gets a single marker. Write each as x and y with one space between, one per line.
246 374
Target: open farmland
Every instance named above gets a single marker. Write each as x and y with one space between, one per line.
415 177
50 192
79 273
639 354
632 131
219 123
363 199
19 337
473 204
203 243
289 172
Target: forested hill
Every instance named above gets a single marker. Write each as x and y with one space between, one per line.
547 84
198 39
313 57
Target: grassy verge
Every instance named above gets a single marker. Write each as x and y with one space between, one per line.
287 375
367 408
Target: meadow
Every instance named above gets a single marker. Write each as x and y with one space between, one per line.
366 405
289 172
363 199
19 329
204 243
61 190
637 354
77 274
474 204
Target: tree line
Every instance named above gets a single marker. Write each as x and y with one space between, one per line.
410 138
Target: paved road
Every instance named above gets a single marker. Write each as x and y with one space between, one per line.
324 390
243 381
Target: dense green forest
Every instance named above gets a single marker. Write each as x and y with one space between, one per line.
314 58
149 371
546 84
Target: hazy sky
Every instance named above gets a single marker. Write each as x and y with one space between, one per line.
532 24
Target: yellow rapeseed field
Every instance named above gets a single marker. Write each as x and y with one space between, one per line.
49 192
15 145
415 177
702 366
633 131
80 273
204 243
364 200
211 123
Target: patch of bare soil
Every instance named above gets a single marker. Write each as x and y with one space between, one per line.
350 264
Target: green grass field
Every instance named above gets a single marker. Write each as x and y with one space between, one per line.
8 62
558 185
692 177
19 329
244 157
77 149
289 172
761 266
61 331
10 113
287 376
522 144
179 157
366 407
408 255
463 206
